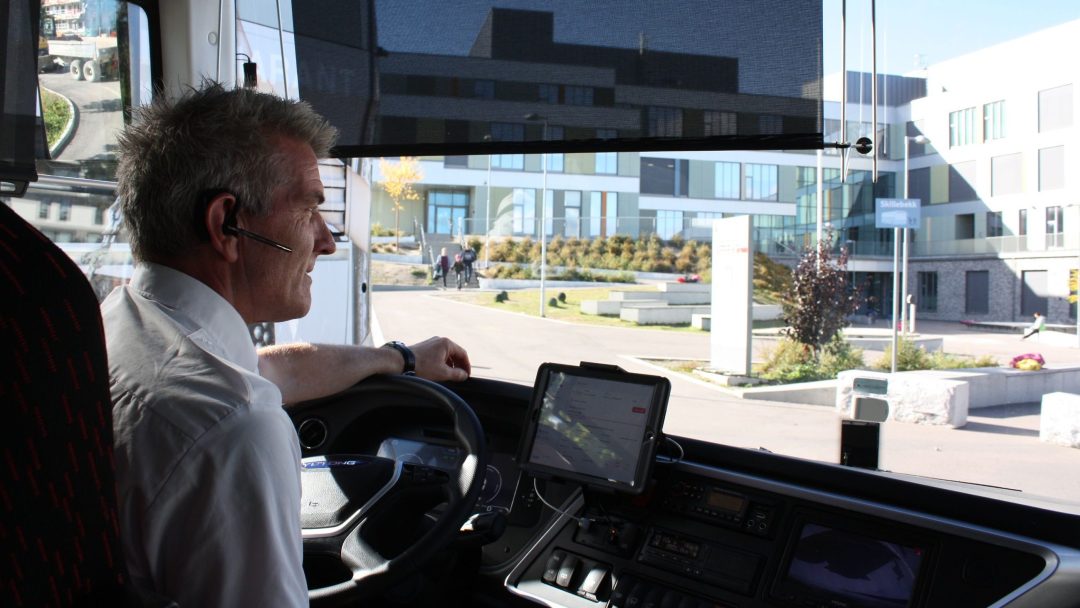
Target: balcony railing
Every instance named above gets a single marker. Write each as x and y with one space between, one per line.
998 245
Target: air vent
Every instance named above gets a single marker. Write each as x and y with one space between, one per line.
312 433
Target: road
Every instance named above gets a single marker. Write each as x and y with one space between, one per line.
100 115
999 446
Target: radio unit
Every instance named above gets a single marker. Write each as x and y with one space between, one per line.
707 501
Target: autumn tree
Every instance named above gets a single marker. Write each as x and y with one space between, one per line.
821 297
397 181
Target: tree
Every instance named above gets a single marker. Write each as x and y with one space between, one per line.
821 297
398 180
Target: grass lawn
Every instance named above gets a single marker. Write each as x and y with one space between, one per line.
527 301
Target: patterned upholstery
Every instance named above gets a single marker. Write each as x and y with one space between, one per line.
59 531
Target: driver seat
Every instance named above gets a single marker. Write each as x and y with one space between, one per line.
60 532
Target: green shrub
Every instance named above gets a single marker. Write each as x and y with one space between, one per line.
378 230
790 361
57 114
501 297
911 357
476 244
562 296
553 302
839 355
418 273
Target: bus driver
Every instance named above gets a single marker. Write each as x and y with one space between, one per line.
220 193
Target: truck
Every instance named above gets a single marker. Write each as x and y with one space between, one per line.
88 58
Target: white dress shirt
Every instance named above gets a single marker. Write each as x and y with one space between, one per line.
207 461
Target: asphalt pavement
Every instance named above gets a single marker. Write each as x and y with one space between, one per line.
999 446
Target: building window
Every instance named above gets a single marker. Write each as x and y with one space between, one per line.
664 122
760 182
508 161
555 163
484 89
1006 174
578 96
524 211
962 127
727 180
1055 108
965 226
446 210
456 161
770 124
99 215
572 213
607 133
977 292
549 213
1021 227
505 131
1052 168
665 176
668 224
548 93
994 226
719 123
1055 220
43 210
994 120
927 301
607 163
65 211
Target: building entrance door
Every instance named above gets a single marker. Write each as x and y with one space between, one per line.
1033 297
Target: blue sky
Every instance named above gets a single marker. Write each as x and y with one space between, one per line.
936 29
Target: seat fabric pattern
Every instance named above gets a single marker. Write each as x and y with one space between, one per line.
59 531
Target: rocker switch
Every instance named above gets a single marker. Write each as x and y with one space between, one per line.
551 570
566 571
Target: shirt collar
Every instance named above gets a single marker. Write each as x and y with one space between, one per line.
218 327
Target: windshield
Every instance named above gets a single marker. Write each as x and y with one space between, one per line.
976 120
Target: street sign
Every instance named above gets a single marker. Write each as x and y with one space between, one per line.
897 213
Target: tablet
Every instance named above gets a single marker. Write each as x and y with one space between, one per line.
594 424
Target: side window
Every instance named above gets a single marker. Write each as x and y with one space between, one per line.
93 61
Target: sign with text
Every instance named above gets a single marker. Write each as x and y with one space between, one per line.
732 305
897 213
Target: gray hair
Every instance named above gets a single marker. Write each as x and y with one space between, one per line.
176 154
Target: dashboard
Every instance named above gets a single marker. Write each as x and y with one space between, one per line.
728 527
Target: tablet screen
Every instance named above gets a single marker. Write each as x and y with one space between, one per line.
598 428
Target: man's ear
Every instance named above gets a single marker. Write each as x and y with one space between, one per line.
220 214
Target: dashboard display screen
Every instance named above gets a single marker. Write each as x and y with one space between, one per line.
598 428
852 569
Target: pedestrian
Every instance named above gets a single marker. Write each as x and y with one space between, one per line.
1036 326
468 257
459 269
443 264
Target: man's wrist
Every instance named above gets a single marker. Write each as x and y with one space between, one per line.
407 356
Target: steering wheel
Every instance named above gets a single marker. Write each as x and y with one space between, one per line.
349 498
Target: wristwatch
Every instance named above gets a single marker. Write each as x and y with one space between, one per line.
406 354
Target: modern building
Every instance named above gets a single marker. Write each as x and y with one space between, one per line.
988 136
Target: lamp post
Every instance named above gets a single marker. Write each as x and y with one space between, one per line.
543 212
908 139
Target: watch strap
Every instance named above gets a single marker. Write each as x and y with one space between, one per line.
407 355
